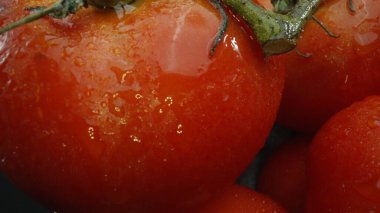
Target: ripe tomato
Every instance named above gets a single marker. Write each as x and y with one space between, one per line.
283 177
344 167
239 199
126 111
339 72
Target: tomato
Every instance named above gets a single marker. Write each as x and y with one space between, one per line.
340 70
283 176
238 199
126 111
344 167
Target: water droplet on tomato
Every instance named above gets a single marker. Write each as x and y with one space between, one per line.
123 121
78 61
91 132
169 101
138 96
95 112
179 129
117 109
103 104
135 139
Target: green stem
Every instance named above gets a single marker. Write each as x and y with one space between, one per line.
59 9
277 33
32 17
223 26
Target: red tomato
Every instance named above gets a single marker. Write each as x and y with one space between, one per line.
339 72
109 112
344 168
283 177
238 199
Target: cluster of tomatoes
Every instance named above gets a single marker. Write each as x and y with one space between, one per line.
128 112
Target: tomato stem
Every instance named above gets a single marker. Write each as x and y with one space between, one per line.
351 6
331 34
277 33
59 9
223 26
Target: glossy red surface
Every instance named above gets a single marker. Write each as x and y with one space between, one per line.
344 161
339 72
109 112
239 199
283 176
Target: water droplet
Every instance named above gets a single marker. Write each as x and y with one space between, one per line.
138 96
109 133
123 121
88 93
117 109
95 112
91 132
3 160
169 101
179 129
116 51
135 138
78 62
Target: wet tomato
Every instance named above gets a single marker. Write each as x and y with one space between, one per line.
238 199
283 176
344 161
340 70
126 111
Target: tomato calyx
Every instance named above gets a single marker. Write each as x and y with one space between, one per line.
277 33
59 10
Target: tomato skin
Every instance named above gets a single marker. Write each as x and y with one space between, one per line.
344 161
339 72
283 176
239 199
101 114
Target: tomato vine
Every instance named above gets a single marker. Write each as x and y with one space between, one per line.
277 33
